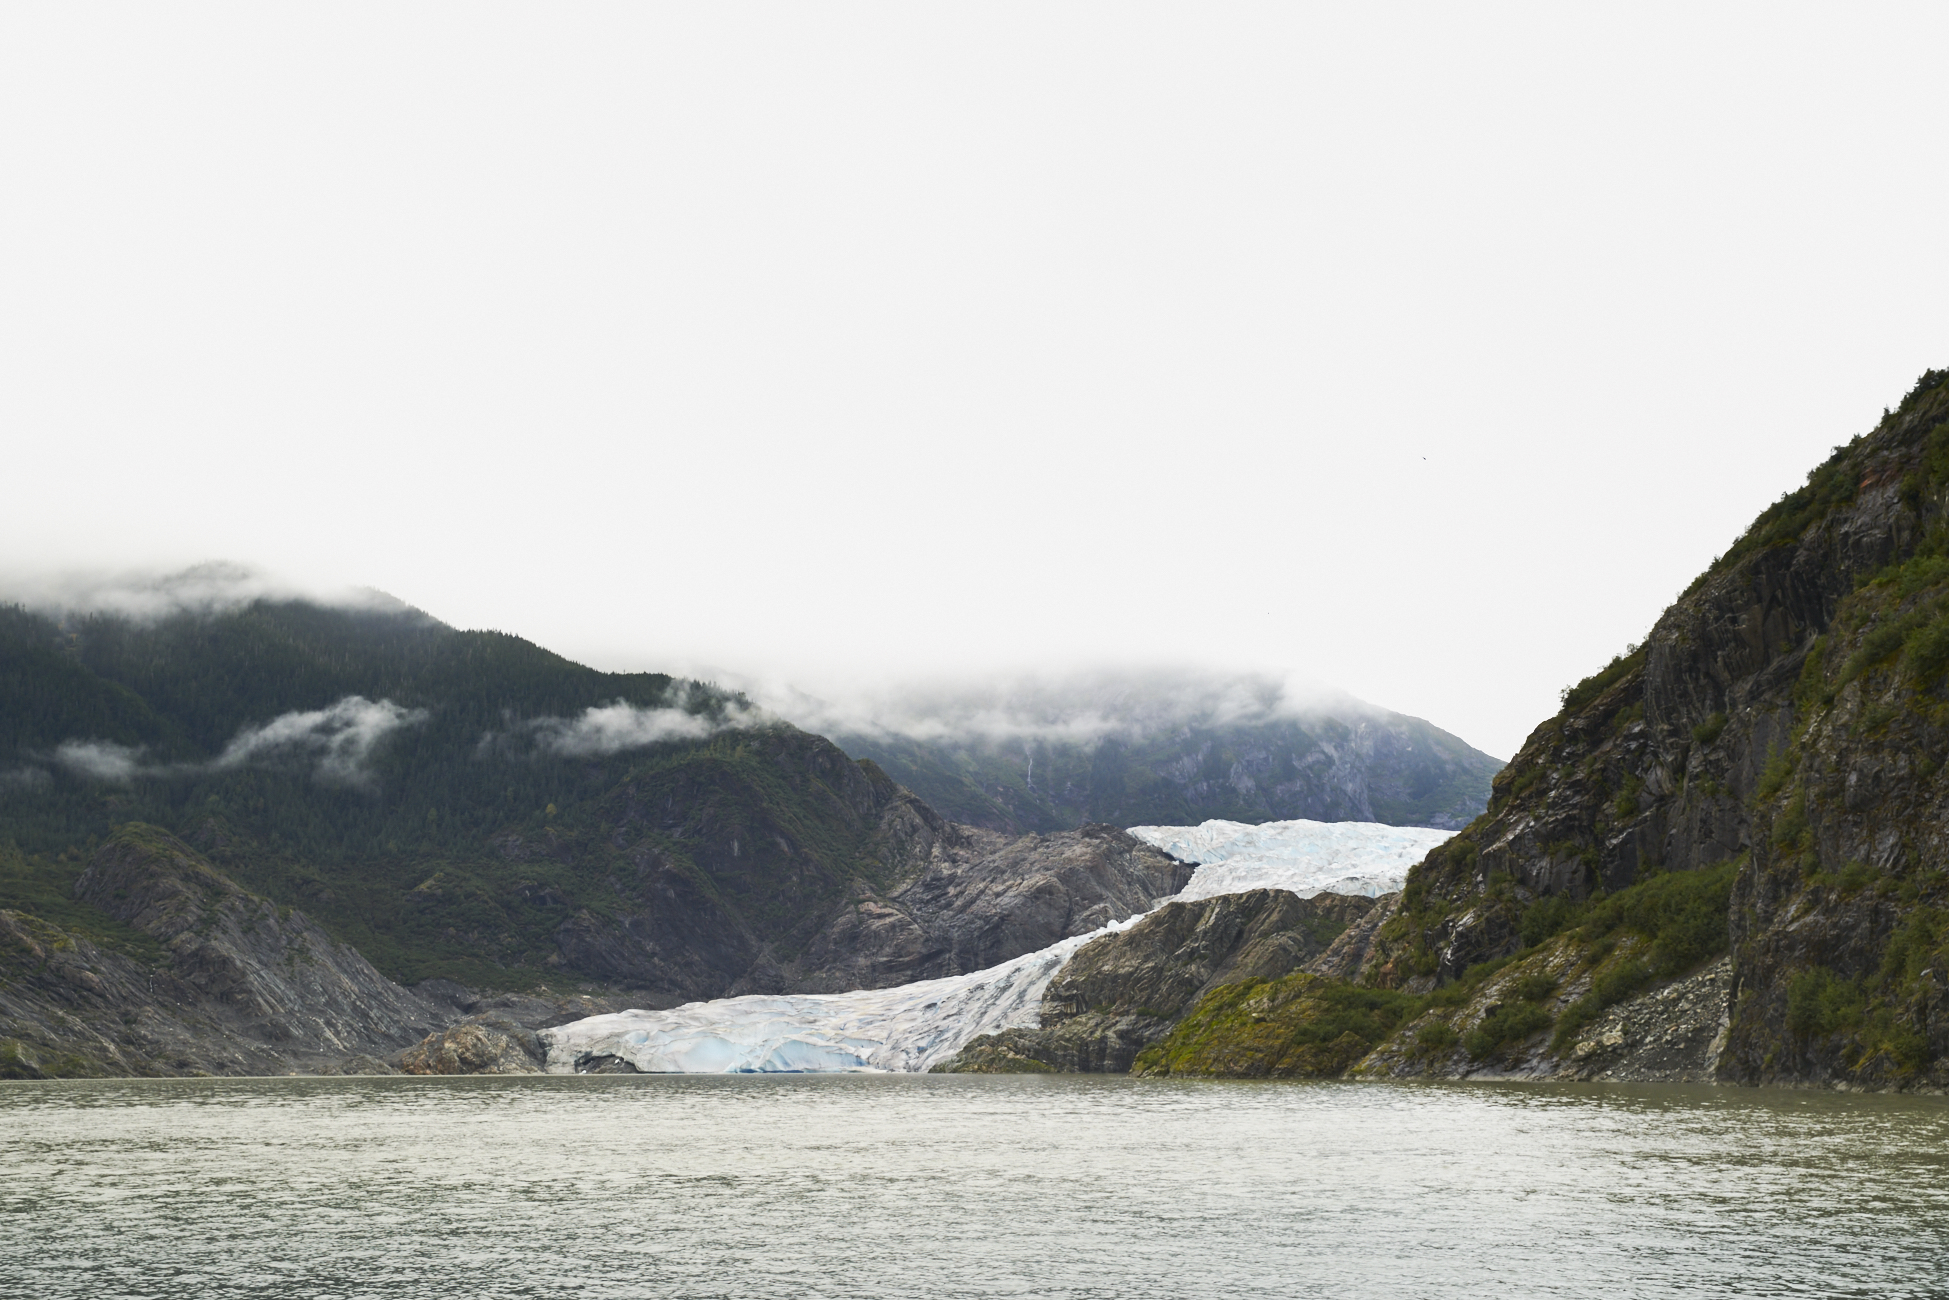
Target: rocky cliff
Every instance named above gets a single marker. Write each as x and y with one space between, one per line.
1725 857
1123 992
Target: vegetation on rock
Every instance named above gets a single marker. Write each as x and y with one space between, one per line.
1759 782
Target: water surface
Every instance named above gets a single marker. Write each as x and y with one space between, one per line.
856 1185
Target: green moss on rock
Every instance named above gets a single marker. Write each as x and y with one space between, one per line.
1300 1027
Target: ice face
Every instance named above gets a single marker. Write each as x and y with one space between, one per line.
916 1026
1303 856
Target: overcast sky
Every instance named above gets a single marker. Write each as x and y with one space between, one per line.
1428 350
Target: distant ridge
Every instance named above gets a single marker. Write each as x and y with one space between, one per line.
1160 748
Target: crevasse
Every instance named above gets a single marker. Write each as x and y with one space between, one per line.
916 1026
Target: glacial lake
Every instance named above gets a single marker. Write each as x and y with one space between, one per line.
873 1185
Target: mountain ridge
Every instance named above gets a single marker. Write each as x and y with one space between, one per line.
1158 747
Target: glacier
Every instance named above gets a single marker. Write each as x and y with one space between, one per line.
1306 857
913 1027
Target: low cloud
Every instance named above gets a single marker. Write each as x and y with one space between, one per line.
100 760
149 595
605 729
342 736
1076 708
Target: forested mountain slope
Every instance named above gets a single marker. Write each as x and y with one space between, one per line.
470 806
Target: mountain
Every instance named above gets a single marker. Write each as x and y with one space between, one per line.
1157 748
1724 858
455 810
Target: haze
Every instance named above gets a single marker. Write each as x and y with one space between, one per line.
1426 351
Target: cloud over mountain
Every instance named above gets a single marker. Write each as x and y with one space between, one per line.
342 736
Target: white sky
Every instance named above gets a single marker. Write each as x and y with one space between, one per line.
1428 350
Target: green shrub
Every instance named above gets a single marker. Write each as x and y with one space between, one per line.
1547 916
1774 776
1620 983
1302 1026
1507 1024
1684 914
1791 824
1482 970
1820 1002
1926 653
1874 718
1919 943
1576 697
1708 731
1437 1037
1532 987
1829 485
1575 1016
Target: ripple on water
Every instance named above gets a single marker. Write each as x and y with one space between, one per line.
963 1186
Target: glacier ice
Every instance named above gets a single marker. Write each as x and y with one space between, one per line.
916 1026
911 1027
1306 857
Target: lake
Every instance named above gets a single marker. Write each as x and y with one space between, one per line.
892 1185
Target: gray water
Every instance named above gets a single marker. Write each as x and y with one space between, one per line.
962 1186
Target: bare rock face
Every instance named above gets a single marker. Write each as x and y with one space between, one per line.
275 975
243 987
983 898
1123 992
1673 1034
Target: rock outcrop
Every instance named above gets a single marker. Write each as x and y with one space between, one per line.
487 1045
243 986
1125 991
981 899
499 1035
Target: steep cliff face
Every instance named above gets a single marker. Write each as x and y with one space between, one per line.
1779 738
1723 859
